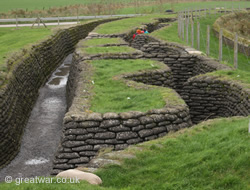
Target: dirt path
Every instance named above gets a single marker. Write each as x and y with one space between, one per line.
42 133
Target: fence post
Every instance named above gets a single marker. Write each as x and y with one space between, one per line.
58 21
77 16
236 51
16 22
208 39
220 44
198 35
183 28
192 32
39 21
187 30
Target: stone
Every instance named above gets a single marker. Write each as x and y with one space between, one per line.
68 155
83 148
71 144
105 135
94 117
131 115
103 146
126 135
75 132
88 153
84 137
158 118
110 115
146 120
80 160
134 141
77 174
63 166
146 132
119 128
131 122
86 124
110 123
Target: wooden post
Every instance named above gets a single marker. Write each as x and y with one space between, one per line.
192 32
220 44
179 25
58 21
38 21
208 40
198 35
199 12
183 28
187 30
236 51
77 16
205 12
16 22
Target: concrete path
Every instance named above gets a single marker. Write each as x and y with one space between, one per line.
65 18
41 25
42 134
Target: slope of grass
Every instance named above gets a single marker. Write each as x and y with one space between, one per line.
12 40
114 95
171 34
125 25
102 41
212 155
108 50
242 77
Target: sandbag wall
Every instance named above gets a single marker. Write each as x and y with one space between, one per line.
210 97
207 97
85 133
28 74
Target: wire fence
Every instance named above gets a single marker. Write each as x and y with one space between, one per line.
193 24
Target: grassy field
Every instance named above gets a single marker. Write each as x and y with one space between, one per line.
126 25
28 8
108 50
102 41
211 155
12 40
114 95
170 34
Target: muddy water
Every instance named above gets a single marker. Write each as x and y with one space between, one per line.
42 134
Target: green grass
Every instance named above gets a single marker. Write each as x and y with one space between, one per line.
126 25
237 75
102 41
212 155
12 40
171 34
115 96
108 50
45 4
